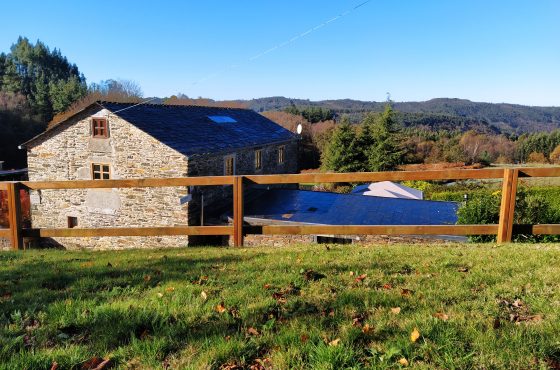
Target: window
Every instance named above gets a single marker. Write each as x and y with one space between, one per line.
222 119
99 128
229 165
281 153
258 159
100 171
72 222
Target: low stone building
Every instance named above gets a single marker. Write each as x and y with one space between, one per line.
123 141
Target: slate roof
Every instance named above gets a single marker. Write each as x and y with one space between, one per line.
189 130
312 207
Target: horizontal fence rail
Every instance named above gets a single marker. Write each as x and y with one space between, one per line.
238 230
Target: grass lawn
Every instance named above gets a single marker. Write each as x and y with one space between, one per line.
306 306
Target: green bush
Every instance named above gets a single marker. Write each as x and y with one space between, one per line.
530 208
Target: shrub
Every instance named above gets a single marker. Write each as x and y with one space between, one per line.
536 157
484 208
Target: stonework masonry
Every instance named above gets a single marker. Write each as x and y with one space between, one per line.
68 152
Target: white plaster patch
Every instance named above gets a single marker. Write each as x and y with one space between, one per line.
103 201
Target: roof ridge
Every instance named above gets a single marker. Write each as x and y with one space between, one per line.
163 105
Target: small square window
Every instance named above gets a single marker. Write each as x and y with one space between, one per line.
72 222
281 154
229 165
258 159
99 128
100 171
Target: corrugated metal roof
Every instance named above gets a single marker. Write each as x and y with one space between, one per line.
348 209
190 130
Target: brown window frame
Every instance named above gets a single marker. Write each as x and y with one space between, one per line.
101 171
227 168
281 154
99 128
258 159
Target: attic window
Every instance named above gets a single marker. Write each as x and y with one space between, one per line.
100 171
99 128
222 119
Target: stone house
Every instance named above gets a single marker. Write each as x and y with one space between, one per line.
108 140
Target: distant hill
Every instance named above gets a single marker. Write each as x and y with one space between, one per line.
436 113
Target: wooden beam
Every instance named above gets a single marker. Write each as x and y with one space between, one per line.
374 229
14 215
3 186
6 233
539 172
507 205
130 183
541 229
451 174
129 231
238 211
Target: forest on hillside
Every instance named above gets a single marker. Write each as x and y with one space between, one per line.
39 85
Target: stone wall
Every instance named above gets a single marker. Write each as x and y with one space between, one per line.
219 198
67 154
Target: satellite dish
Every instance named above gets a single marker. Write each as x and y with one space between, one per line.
299 128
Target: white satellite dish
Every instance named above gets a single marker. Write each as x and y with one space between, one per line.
299 128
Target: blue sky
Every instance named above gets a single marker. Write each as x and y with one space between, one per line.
495 51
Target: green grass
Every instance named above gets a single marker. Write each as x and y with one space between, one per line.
145 309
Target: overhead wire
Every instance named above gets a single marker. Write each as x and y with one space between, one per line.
283 44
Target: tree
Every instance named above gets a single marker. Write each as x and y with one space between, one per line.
386 153
555 155
341 153
118 90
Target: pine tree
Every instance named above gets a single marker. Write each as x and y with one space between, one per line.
386 153
341 153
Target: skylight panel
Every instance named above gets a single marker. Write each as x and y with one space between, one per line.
222 119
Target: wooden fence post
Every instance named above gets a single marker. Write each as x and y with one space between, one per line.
507 206
14 215
238 211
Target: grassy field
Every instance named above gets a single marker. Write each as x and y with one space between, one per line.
306 306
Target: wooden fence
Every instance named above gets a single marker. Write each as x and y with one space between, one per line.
504 229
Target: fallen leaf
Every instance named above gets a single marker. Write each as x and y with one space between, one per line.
252 331
366 329
204 295
463 269
387 286
396 310
335 342
403 361
54 365
351 273
169 289
221 308
267 286
441 316
304 338
360 278
414 335
406 292
160 295
147 278
311 275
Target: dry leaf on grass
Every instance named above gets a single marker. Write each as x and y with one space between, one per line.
463 269
395 310
403 361
169 289
204 295
366 329
220 308
335 342
441 316
252 331
360 278
406 292
414 335
387 286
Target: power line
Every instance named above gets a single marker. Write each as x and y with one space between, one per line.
283 44
135 105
